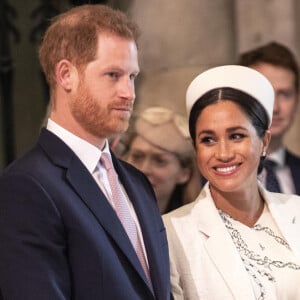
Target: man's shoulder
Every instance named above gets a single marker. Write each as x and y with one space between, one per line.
26 161
46 153
292 158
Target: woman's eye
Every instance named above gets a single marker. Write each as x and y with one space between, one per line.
206 140
237 136
158 161
136 157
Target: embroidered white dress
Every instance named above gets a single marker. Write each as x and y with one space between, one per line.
272 267
209 254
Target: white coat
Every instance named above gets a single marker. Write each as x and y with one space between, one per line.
205 265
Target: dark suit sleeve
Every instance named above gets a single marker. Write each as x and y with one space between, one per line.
33 263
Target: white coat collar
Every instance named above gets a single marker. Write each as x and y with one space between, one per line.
285 210
220 247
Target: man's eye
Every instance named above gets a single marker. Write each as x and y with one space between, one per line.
113 75
285 94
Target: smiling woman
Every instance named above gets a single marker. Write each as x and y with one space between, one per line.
230 111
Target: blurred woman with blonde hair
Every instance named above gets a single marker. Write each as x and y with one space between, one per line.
160 146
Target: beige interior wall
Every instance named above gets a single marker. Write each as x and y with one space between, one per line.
259 22
179 40
183 38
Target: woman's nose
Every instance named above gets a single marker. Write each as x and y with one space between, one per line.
224 151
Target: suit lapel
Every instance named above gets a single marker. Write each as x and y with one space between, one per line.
221 248
144 210
294 164
88 191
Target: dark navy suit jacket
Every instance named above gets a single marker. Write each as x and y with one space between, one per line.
293 162
60 238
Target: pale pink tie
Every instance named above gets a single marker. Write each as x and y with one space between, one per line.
122 210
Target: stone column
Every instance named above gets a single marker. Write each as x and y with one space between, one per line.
179 40
259 22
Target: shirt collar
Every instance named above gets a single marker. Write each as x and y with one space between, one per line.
86 152
278 156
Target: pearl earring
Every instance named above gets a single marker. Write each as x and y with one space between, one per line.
264 152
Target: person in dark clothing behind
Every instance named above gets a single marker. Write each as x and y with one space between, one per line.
278 64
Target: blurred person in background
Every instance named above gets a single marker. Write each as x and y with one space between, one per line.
161 148
278 64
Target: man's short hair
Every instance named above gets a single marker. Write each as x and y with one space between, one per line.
73 35
275 54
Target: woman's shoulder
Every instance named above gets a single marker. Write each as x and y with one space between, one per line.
183 212
286 199
192 212
283 204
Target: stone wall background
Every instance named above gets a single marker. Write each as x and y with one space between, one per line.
182 38
179 40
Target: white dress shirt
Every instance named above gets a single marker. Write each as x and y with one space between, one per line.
282 171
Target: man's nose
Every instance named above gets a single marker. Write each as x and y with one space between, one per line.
276 105
127 89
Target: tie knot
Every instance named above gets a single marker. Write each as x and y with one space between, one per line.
106 161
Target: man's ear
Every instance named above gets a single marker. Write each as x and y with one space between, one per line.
65 73
266 139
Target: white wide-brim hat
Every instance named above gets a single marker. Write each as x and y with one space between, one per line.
237 77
